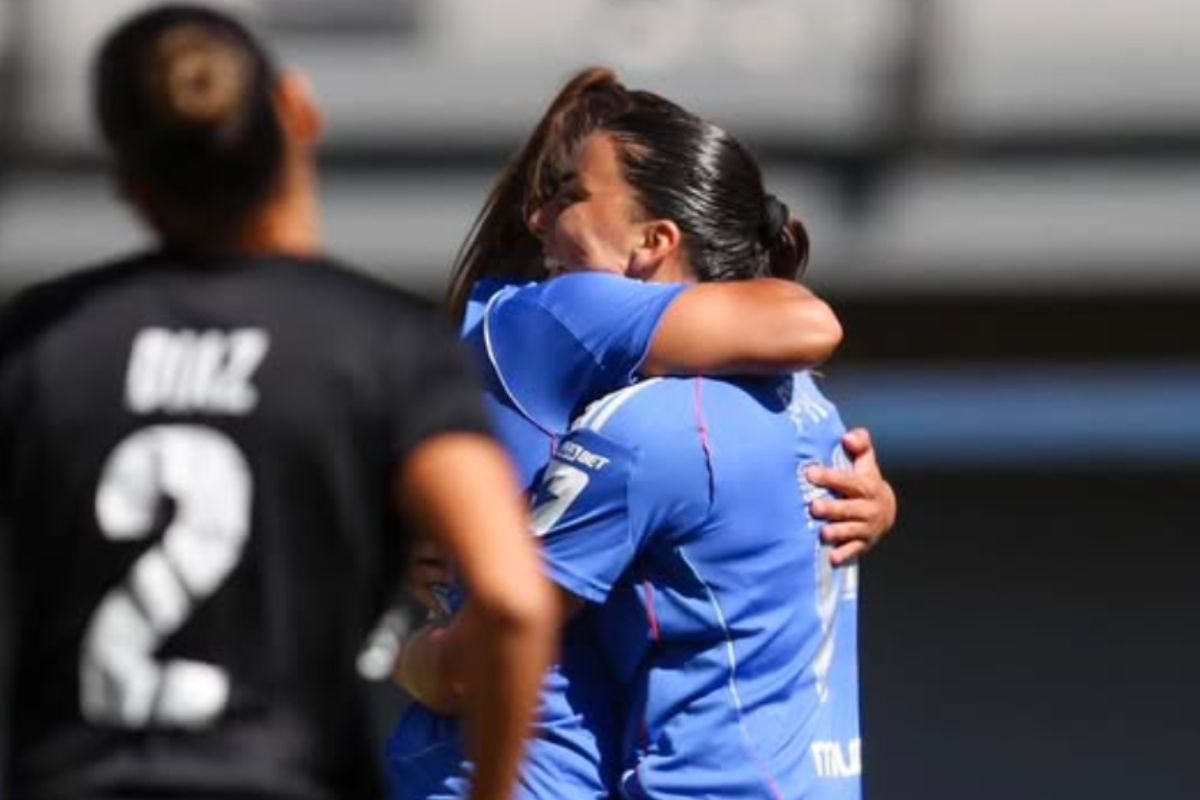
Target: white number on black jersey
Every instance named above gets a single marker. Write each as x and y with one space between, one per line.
206 475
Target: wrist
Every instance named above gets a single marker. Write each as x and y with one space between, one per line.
423 669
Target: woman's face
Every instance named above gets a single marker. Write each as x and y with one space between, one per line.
589 221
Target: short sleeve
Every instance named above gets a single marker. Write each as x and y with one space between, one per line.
431 387
589 528
556 346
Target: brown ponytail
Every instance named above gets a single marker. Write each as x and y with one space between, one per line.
500 242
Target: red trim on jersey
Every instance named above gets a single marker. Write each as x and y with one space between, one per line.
704 440
651 615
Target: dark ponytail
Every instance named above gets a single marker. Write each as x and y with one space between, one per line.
681 168
500 242
184 97
688 170
785 240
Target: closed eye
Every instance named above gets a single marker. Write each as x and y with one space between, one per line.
568 190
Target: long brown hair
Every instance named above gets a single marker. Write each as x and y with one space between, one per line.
500 242
679 166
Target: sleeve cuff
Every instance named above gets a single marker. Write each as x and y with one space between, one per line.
589 589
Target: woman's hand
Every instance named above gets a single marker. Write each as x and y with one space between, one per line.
865 507
429 578
426 669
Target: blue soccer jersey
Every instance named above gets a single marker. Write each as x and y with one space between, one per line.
545 350
679 508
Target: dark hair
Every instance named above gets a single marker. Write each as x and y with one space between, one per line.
184 97
500 242
692 172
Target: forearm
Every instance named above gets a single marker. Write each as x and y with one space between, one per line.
759 326
483 527
453 670
506 655
502 642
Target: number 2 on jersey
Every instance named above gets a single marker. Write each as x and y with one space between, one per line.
563 484
206 476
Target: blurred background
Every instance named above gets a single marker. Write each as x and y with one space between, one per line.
1005 201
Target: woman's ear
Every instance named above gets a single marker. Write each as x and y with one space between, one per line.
659 253
296 104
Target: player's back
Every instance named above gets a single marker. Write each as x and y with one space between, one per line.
719 625
198 467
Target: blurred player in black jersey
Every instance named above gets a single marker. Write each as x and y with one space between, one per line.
203 453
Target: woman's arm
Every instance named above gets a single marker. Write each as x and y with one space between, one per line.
763 326
561 344
432 664
483 527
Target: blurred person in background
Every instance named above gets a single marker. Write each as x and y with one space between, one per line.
209 457
547 349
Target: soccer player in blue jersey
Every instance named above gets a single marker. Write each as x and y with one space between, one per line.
679 507
590 332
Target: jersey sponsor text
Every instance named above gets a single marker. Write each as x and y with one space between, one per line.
577 454
835 759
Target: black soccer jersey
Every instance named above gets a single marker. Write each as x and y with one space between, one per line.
197 459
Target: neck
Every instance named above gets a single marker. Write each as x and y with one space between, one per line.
289 224
673 269
281 231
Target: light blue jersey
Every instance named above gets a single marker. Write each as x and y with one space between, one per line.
679 509
545 351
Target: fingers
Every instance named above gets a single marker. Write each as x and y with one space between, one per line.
863 508
840 482
834 510
427 550
427 601
865 465
846 554
429 564
887 502
857 442
841 534
421 576
428 571
838 533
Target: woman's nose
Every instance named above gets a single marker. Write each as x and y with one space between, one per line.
541 219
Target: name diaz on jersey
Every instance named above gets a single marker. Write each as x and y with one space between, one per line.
182 371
